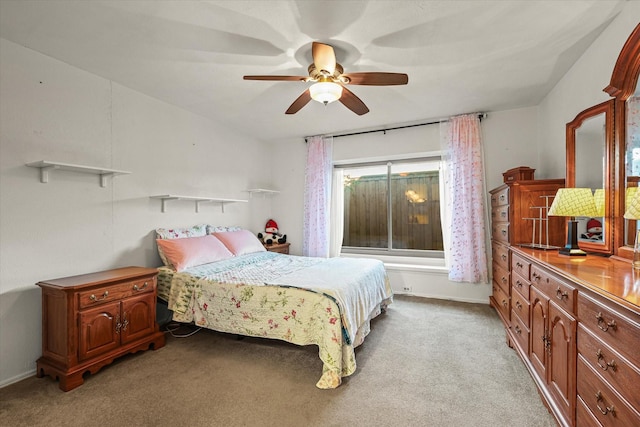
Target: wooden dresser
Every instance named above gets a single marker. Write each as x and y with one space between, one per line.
575 322
510 204
89 320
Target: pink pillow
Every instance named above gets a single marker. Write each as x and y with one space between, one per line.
192 251
240 242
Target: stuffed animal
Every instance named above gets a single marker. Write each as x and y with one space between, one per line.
594 230
271 234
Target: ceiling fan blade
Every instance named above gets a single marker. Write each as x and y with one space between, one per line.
324 57
299 103
278 78
377 79
352 102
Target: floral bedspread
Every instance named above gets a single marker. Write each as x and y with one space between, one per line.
326 302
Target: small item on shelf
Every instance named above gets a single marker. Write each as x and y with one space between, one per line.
518 174
271 234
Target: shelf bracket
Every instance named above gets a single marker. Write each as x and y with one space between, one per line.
44 173
198 204
103 178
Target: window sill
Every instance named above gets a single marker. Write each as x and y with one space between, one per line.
430 265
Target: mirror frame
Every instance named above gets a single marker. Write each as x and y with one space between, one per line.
606 108
623 84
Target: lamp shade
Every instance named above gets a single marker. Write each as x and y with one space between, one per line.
632 203
573 202
598 196
325 92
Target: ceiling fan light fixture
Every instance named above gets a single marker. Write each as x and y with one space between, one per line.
325 92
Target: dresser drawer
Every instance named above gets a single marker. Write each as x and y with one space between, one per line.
610 327
560 292
520 266
500 254
500 232
501 277
500 214
520 306
115 292
584 417
620 373
603 402
502 301
500 198
520 284
520 332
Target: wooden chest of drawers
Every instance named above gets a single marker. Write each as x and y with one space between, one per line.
89 320
510 204
582 340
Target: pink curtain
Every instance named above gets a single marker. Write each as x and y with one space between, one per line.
317 197
463 155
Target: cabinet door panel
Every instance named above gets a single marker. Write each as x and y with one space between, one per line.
539 333
98 332
138 317
562 360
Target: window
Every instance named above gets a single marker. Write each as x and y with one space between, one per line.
393 208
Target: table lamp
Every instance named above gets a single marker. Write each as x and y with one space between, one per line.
573 202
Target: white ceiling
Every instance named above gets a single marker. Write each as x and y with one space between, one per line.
461 56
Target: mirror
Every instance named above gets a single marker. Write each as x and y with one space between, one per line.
632 162
623 86
589 156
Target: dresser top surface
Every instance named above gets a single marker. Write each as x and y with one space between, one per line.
609 277
101 277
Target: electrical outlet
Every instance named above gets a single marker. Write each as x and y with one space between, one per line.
406 288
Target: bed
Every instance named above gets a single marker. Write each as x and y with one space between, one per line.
251 292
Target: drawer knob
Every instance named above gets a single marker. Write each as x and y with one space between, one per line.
504 232
504 257
606 365
137 288
503 280
518 330
93 298
560 294
519 305
604 326
536 276
519 264
607 409
518 283
505 303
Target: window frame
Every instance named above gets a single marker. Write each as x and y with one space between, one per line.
389 161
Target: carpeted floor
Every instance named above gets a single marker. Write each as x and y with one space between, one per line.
425 363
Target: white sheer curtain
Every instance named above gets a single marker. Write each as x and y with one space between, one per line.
464 218
317 197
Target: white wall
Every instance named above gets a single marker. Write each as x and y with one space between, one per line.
509 140
52 111
581 88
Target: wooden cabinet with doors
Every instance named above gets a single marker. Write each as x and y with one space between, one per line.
89 320
553 339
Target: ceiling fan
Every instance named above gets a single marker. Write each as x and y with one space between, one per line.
330 80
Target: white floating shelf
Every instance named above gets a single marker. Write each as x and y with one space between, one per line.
262 191
46 166
197 200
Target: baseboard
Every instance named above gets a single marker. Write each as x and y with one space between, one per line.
17 378
445 297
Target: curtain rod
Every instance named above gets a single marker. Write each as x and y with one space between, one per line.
480 116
